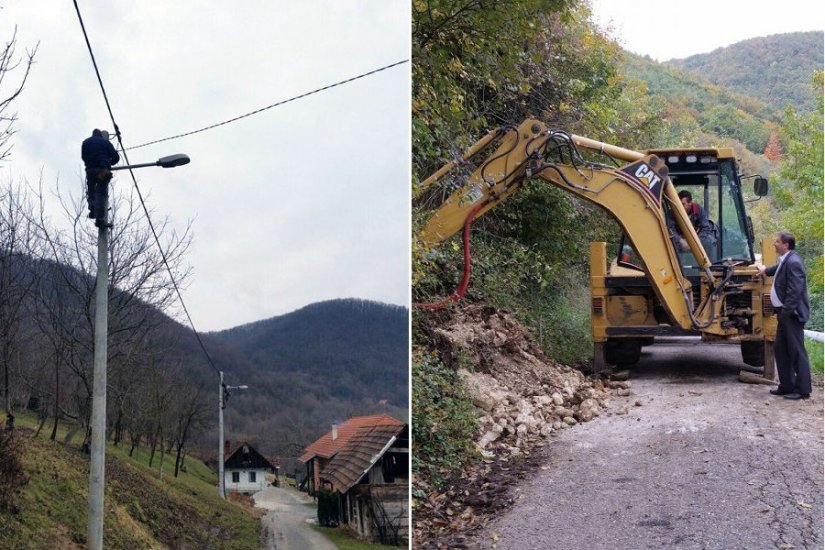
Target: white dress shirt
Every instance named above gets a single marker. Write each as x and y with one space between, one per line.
775 301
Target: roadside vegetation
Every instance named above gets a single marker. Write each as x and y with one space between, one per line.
346 541
143 509
815 355
445 420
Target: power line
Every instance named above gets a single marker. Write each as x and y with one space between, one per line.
140 195
278 104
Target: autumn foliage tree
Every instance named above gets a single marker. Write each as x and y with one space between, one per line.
773 151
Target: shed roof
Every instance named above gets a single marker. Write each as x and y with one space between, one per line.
326 447
361 452
246 457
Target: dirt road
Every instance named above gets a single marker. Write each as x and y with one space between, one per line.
285 526
702 461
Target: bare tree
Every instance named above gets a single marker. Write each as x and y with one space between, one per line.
140 290
191 414
17 244
9 63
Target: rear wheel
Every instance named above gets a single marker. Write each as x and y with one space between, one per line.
753 353
623 351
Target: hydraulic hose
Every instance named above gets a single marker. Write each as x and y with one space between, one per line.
465 281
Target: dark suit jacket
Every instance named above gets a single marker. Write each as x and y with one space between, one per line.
791 287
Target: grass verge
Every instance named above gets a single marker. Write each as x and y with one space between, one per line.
815 354
345 540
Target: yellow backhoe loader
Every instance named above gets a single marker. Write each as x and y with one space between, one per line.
662 281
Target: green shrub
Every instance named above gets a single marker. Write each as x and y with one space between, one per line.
444 420
816 320
328 508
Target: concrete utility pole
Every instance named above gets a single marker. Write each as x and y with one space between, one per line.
98 450
221 480
223 396
97 464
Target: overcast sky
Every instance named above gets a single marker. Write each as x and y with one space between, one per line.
668 29
298 204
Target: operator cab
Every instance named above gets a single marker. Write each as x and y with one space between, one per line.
711 177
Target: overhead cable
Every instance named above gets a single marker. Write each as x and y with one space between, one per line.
278 104
140 195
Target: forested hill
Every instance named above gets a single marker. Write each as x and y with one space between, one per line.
735 93
775 69
315 366
305 370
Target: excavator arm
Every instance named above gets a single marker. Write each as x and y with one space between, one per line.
634 194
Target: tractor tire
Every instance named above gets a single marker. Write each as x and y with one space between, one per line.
753 353
622 352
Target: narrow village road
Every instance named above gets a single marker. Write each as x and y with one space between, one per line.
699 461
285 526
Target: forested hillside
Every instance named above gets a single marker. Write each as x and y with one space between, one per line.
313 367
530 254
306 370
775 69
698 112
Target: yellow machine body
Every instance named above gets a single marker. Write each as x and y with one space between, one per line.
631 304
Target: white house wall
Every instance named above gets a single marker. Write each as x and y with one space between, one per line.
244 485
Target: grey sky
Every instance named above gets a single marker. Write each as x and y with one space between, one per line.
301 203
668 29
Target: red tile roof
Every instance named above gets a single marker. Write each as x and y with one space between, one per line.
325 447
356 458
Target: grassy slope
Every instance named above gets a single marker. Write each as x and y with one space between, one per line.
141 510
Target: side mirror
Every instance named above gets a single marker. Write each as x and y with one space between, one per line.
760 186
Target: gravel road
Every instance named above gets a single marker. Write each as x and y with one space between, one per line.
286 526
703 461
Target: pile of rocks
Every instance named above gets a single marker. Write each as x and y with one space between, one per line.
523 396
513 421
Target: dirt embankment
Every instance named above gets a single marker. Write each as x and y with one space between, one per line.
523 398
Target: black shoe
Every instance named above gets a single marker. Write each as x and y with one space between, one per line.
101 223
777 391
91 215
797 396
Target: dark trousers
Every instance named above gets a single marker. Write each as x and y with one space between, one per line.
97 192
791 357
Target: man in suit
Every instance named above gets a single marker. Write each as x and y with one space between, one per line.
789 296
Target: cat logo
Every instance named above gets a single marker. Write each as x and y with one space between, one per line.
647 176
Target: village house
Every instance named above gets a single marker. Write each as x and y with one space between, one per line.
245 471
370 477
318 454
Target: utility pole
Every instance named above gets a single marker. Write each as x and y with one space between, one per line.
97 463
221 480
223 397
98 450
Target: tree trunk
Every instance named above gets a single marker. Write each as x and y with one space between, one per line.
53 437
118 430
178 459
135 443
153 444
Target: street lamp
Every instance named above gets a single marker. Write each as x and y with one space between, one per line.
98 421
172 161
223 397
